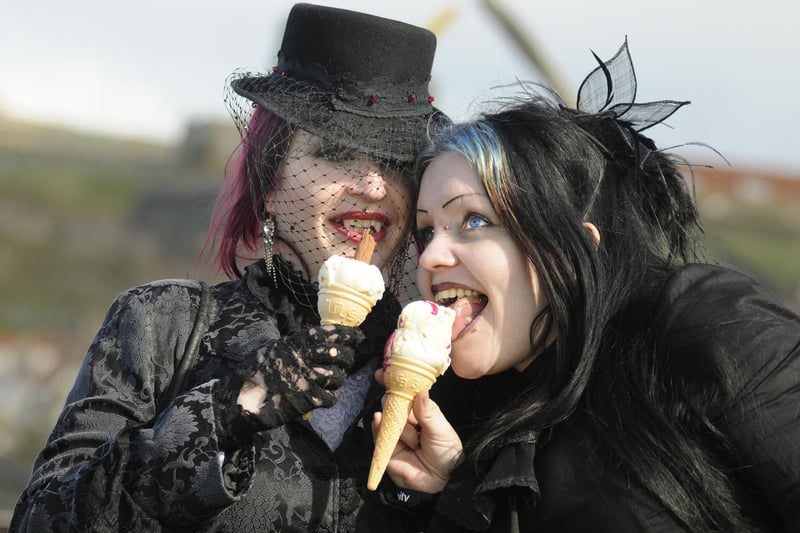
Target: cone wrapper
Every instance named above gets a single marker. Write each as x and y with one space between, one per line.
341 304
404 378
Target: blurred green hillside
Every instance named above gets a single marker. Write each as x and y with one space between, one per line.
752 222
83 217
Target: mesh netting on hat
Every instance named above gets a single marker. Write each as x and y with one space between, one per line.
324 187
381 117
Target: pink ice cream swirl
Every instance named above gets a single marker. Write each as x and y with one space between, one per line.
423 332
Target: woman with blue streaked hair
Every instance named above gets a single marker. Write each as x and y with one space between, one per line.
603 377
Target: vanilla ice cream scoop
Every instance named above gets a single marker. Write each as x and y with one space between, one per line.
348 289
423 332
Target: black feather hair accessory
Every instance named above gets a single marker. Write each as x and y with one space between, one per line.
611 89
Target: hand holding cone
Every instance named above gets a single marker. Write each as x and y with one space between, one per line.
343 303
416 354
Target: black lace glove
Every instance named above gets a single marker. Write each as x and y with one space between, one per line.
299 373
377 327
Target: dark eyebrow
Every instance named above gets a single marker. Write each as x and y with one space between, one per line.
453 199
450 201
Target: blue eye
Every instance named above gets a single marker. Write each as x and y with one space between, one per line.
476 221
425 235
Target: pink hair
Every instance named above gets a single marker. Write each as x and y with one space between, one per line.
239 207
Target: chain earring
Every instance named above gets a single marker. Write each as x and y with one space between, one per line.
268 233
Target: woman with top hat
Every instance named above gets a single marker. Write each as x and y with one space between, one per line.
188 411
604 378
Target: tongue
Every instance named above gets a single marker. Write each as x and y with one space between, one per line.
466 309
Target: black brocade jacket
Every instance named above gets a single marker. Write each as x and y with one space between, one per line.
563 481
116 462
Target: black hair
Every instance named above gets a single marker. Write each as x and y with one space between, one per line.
547 170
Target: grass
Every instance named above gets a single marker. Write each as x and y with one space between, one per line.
65 191
771 254
67 222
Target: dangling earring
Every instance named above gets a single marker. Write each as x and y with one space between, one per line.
268 233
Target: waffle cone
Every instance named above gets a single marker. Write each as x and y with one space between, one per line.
340 304
404 378
366 246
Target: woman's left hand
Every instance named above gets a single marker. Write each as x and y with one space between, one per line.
428 450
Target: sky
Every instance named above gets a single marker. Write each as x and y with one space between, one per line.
146 68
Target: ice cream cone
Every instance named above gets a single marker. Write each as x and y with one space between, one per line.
404 377
348 289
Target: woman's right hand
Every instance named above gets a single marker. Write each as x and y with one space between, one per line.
299 373
428 450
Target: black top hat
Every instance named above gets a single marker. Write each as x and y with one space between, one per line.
359 79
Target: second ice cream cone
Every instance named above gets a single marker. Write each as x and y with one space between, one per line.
404 378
